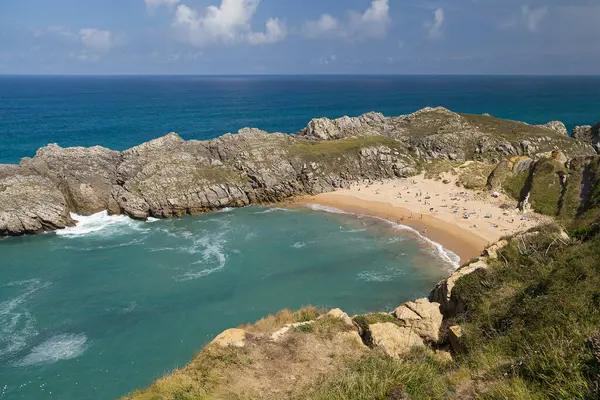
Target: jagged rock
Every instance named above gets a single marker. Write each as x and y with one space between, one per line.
231 337
556 126
84 175
454 336
492 251
337 313
422 316
588 134
170 177
30 203
442 293
279 334
394 340
326 129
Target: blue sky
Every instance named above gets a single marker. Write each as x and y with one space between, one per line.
299 36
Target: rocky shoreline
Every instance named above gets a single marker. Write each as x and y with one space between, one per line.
170 177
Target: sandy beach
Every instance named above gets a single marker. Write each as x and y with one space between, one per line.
463 221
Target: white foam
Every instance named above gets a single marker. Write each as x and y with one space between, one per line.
99 224
319 207
298 245
446 255
273 209
380 276
17 325
211 247
57 348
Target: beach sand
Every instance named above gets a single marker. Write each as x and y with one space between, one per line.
463 221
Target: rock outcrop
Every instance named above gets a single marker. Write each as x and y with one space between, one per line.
556 126
588 134
170 177
393 340
423 317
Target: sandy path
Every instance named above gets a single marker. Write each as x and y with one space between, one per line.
463 221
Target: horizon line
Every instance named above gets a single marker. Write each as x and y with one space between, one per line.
288 74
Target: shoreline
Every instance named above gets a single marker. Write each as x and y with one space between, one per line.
463 243
461 220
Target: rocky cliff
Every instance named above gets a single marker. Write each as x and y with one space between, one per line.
170 177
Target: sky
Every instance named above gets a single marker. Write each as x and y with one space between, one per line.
299 37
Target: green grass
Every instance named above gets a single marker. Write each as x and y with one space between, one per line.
330 149
375 377
535 312
546 187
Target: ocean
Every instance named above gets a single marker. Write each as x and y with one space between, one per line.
121 112
98 310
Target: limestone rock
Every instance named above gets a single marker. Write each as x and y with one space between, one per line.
326 129
279 334
442 293
169 177
556 126
588 134
231 337
492 251
423 317
394 340
337 313
30 203
85 175
455 335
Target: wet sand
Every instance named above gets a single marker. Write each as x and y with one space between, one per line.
463 221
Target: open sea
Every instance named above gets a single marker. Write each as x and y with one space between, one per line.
98 310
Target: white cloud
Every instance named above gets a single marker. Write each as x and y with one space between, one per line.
435 27
322 26
154 4
229 23
529 18
275 32
372 23
532 17
92 42
97 41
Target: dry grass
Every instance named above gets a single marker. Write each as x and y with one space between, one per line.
277 321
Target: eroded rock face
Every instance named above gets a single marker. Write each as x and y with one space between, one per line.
588 134
395 341
556 126
84 175
170 177
326 129
231 337
423 317
30 203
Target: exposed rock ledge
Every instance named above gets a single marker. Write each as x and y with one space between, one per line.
170 177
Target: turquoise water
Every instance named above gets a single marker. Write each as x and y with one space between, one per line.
96 311
121 112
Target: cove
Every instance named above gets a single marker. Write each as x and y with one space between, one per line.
96 311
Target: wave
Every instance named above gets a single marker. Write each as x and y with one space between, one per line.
298 245
212 249
446 255
380 276
273 209
100 224
319 207
57 348
17 325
